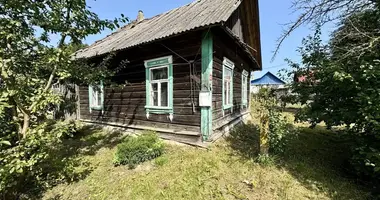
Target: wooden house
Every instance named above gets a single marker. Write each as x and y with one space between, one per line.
187 71
268 80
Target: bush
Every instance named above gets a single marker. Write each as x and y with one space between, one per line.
135 150
275 131
366 159
27 165
280 132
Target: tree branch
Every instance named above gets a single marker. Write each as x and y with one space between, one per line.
320 12
60 45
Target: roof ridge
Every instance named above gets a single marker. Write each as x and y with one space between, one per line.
196 14
144 20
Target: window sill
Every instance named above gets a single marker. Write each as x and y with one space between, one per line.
158 110
227 106
96 108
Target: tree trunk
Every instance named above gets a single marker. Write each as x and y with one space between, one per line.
25 125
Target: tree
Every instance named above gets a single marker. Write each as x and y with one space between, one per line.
320 12
342 85
29 65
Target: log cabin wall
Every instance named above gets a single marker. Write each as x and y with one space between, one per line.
225 47
125 102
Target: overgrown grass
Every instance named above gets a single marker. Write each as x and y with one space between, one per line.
310 170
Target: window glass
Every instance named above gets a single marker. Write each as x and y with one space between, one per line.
164 94
155 94
96 96
94 99
99 98
227 74
244 88
160 73
227 86
226 92
159 86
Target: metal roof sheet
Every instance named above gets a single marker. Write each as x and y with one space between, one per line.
268 79
200 13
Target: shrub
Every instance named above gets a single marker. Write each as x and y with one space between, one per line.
280 132
135 150
275 131
28 165
366 159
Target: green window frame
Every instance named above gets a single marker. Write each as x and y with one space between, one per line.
155 87
96 97
228 83
244 88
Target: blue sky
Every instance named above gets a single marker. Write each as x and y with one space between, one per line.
273 14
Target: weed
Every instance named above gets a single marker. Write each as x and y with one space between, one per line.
161 161
266 160
135 150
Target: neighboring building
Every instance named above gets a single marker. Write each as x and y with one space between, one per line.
267 81
187 75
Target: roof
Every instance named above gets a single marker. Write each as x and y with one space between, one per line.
268 79
198 14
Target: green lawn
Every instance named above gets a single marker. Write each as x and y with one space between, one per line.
312 169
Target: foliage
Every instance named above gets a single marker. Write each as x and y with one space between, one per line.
341 85
29 65
31 61
135 150
281 132
26 165
366 160
322 12
275 131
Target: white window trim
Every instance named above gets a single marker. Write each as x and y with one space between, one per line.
244 88
227 63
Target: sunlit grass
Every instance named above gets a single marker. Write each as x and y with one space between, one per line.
308 171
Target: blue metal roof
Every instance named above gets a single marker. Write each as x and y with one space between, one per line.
268 79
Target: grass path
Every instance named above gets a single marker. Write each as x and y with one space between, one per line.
308 172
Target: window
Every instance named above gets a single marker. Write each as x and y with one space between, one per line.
244 88
228 74
96 96
159 86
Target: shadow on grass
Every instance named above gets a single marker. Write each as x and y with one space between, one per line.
317 158
245 140
66 164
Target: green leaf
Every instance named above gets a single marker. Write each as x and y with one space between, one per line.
5 142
